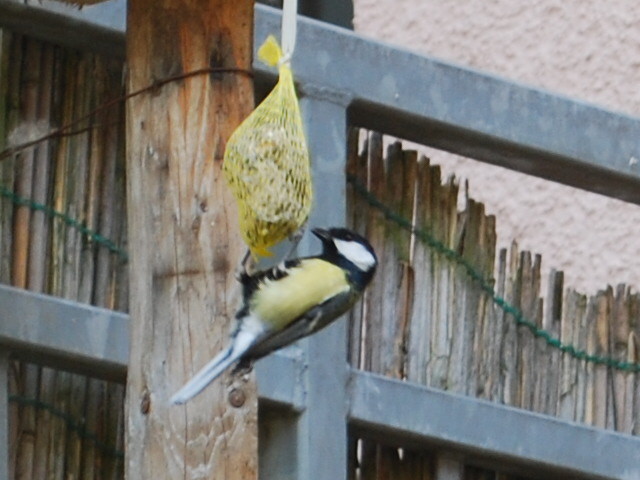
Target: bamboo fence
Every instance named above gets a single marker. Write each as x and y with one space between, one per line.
62 425
429 320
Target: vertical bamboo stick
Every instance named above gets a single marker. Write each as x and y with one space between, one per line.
602 410
73 452
536 308
90 415
107 193
550 363
390 266
454 299
629 420
114 431
530 307
493 320
391 186
463 375
357 214
75 285
487 304
590 387
566 400
98 186
39 241
93 165
580 339
478 356
9 85
419 351
60 179
61 281
41 178
496 342
77 166
510 334
111 271
619 338
91 152
21 242
24 165
458 294
473 251
406 292
375 232
119 297
441 313
45 422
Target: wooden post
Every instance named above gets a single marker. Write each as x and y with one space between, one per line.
184 242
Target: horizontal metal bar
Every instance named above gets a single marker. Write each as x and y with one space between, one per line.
95 341
64 334
414 97
464 111
87 339
392 409
98 28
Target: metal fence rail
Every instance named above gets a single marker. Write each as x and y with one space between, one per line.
85 339
347 79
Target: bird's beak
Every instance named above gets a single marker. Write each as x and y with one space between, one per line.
321 233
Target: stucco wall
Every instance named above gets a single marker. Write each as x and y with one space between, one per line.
587 50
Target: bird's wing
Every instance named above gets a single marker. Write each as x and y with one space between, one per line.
251 282
313 320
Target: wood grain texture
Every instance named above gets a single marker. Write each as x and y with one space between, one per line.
183 237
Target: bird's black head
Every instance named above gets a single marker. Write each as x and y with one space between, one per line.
349 251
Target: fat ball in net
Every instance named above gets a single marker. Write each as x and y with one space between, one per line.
266 163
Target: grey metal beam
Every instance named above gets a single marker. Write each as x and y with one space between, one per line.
286 388
464 111
64 334
322 428
84 338
99 28
392 409
95 341
422 99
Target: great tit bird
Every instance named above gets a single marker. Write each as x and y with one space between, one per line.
290 301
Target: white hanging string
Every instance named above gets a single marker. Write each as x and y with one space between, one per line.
289 27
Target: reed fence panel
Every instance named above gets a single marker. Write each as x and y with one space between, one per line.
440 311
62 425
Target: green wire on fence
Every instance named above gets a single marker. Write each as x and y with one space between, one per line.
71 423
486 284
72 222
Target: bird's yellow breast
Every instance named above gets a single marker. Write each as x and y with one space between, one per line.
278 302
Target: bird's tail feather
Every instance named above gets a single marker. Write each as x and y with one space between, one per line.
214 368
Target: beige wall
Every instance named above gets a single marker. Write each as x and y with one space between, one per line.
585 49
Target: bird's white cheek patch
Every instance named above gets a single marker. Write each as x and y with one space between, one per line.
356 253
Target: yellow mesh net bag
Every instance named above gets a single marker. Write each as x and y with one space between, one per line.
266 163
